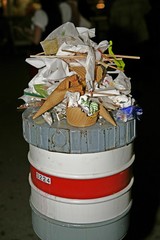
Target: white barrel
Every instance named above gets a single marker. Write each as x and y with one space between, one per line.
81 166
96 161
80 211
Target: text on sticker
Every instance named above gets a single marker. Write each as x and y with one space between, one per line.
43 178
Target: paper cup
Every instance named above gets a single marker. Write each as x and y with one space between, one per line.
77 118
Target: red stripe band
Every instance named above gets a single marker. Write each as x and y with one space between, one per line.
81 188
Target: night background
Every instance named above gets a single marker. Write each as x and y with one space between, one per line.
133 26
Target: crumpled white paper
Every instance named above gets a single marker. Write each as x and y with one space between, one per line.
112 91
74 40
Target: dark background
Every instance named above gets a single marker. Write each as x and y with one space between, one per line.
15 213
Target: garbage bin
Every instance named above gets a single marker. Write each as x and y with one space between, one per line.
80 178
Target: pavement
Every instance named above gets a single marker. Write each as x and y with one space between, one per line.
15 212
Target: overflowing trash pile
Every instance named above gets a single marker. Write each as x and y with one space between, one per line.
79 80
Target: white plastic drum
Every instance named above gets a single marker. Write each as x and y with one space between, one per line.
80 211
82 166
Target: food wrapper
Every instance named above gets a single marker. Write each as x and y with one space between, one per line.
125 114
72 99
50 46
48 117
88 106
